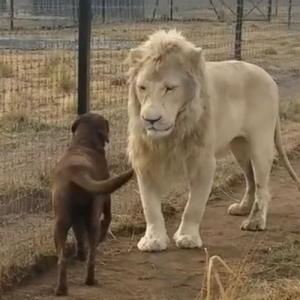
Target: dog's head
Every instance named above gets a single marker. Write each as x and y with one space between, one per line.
92 123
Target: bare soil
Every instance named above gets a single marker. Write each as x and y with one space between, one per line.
125 273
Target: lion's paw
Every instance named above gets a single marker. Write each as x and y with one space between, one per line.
186 241
237 209
153 243
254 224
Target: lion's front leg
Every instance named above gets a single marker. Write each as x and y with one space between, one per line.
155 238
200 176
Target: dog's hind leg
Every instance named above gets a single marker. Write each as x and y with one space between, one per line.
105 222
60 237
80 235
93 232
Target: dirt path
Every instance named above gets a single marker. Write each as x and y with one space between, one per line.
125 273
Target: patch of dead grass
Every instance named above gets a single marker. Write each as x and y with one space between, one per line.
16 265
256 278
14 101
62 71
290 109
284 257
271 51
118 81
6 70
19 121
68 104
67 82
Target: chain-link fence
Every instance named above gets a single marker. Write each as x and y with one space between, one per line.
38 91
64 13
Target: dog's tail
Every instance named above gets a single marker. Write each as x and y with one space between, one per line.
107 186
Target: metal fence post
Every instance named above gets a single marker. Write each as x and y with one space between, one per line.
290 13
171 10
75 10
103 11
11 14
238 30
269 10
84 48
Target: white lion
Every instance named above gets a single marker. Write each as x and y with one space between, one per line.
182 112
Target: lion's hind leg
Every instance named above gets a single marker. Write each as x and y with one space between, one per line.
240 148
262 147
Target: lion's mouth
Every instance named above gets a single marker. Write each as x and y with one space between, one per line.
160 130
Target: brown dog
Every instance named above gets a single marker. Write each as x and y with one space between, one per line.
81 194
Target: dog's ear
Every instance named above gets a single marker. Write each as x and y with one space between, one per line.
105 132
75 124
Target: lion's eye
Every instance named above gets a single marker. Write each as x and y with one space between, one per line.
170 88
142 88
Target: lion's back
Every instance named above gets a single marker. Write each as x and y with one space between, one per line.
243 95
235 77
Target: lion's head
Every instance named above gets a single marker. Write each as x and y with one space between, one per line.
165 76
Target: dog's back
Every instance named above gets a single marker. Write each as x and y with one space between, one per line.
69 199
80 160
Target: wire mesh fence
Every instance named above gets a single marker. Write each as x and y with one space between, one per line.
64 13
37 103
38 91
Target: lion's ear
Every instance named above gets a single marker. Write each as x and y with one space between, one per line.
195 56
135 55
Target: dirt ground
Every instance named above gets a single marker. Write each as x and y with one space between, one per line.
125 273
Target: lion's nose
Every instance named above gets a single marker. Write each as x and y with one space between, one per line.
151 121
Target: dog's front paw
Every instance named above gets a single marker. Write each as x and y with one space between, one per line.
152 243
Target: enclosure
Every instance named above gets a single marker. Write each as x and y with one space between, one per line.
39 98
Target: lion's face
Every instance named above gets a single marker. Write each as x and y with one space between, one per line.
163 92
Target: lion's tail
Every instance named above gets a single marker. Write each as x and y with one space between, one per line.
107 186
282 154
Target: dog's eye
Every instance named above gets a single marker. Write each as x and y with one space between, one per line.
142 88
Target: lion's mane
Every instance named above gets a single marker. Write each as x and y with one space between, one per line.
165 157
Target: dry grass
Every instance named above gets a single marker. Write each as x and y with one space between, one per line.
39 248
266 277
18 121
61 69
5 70
118 81
290 109
67 83
271 51
38 104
